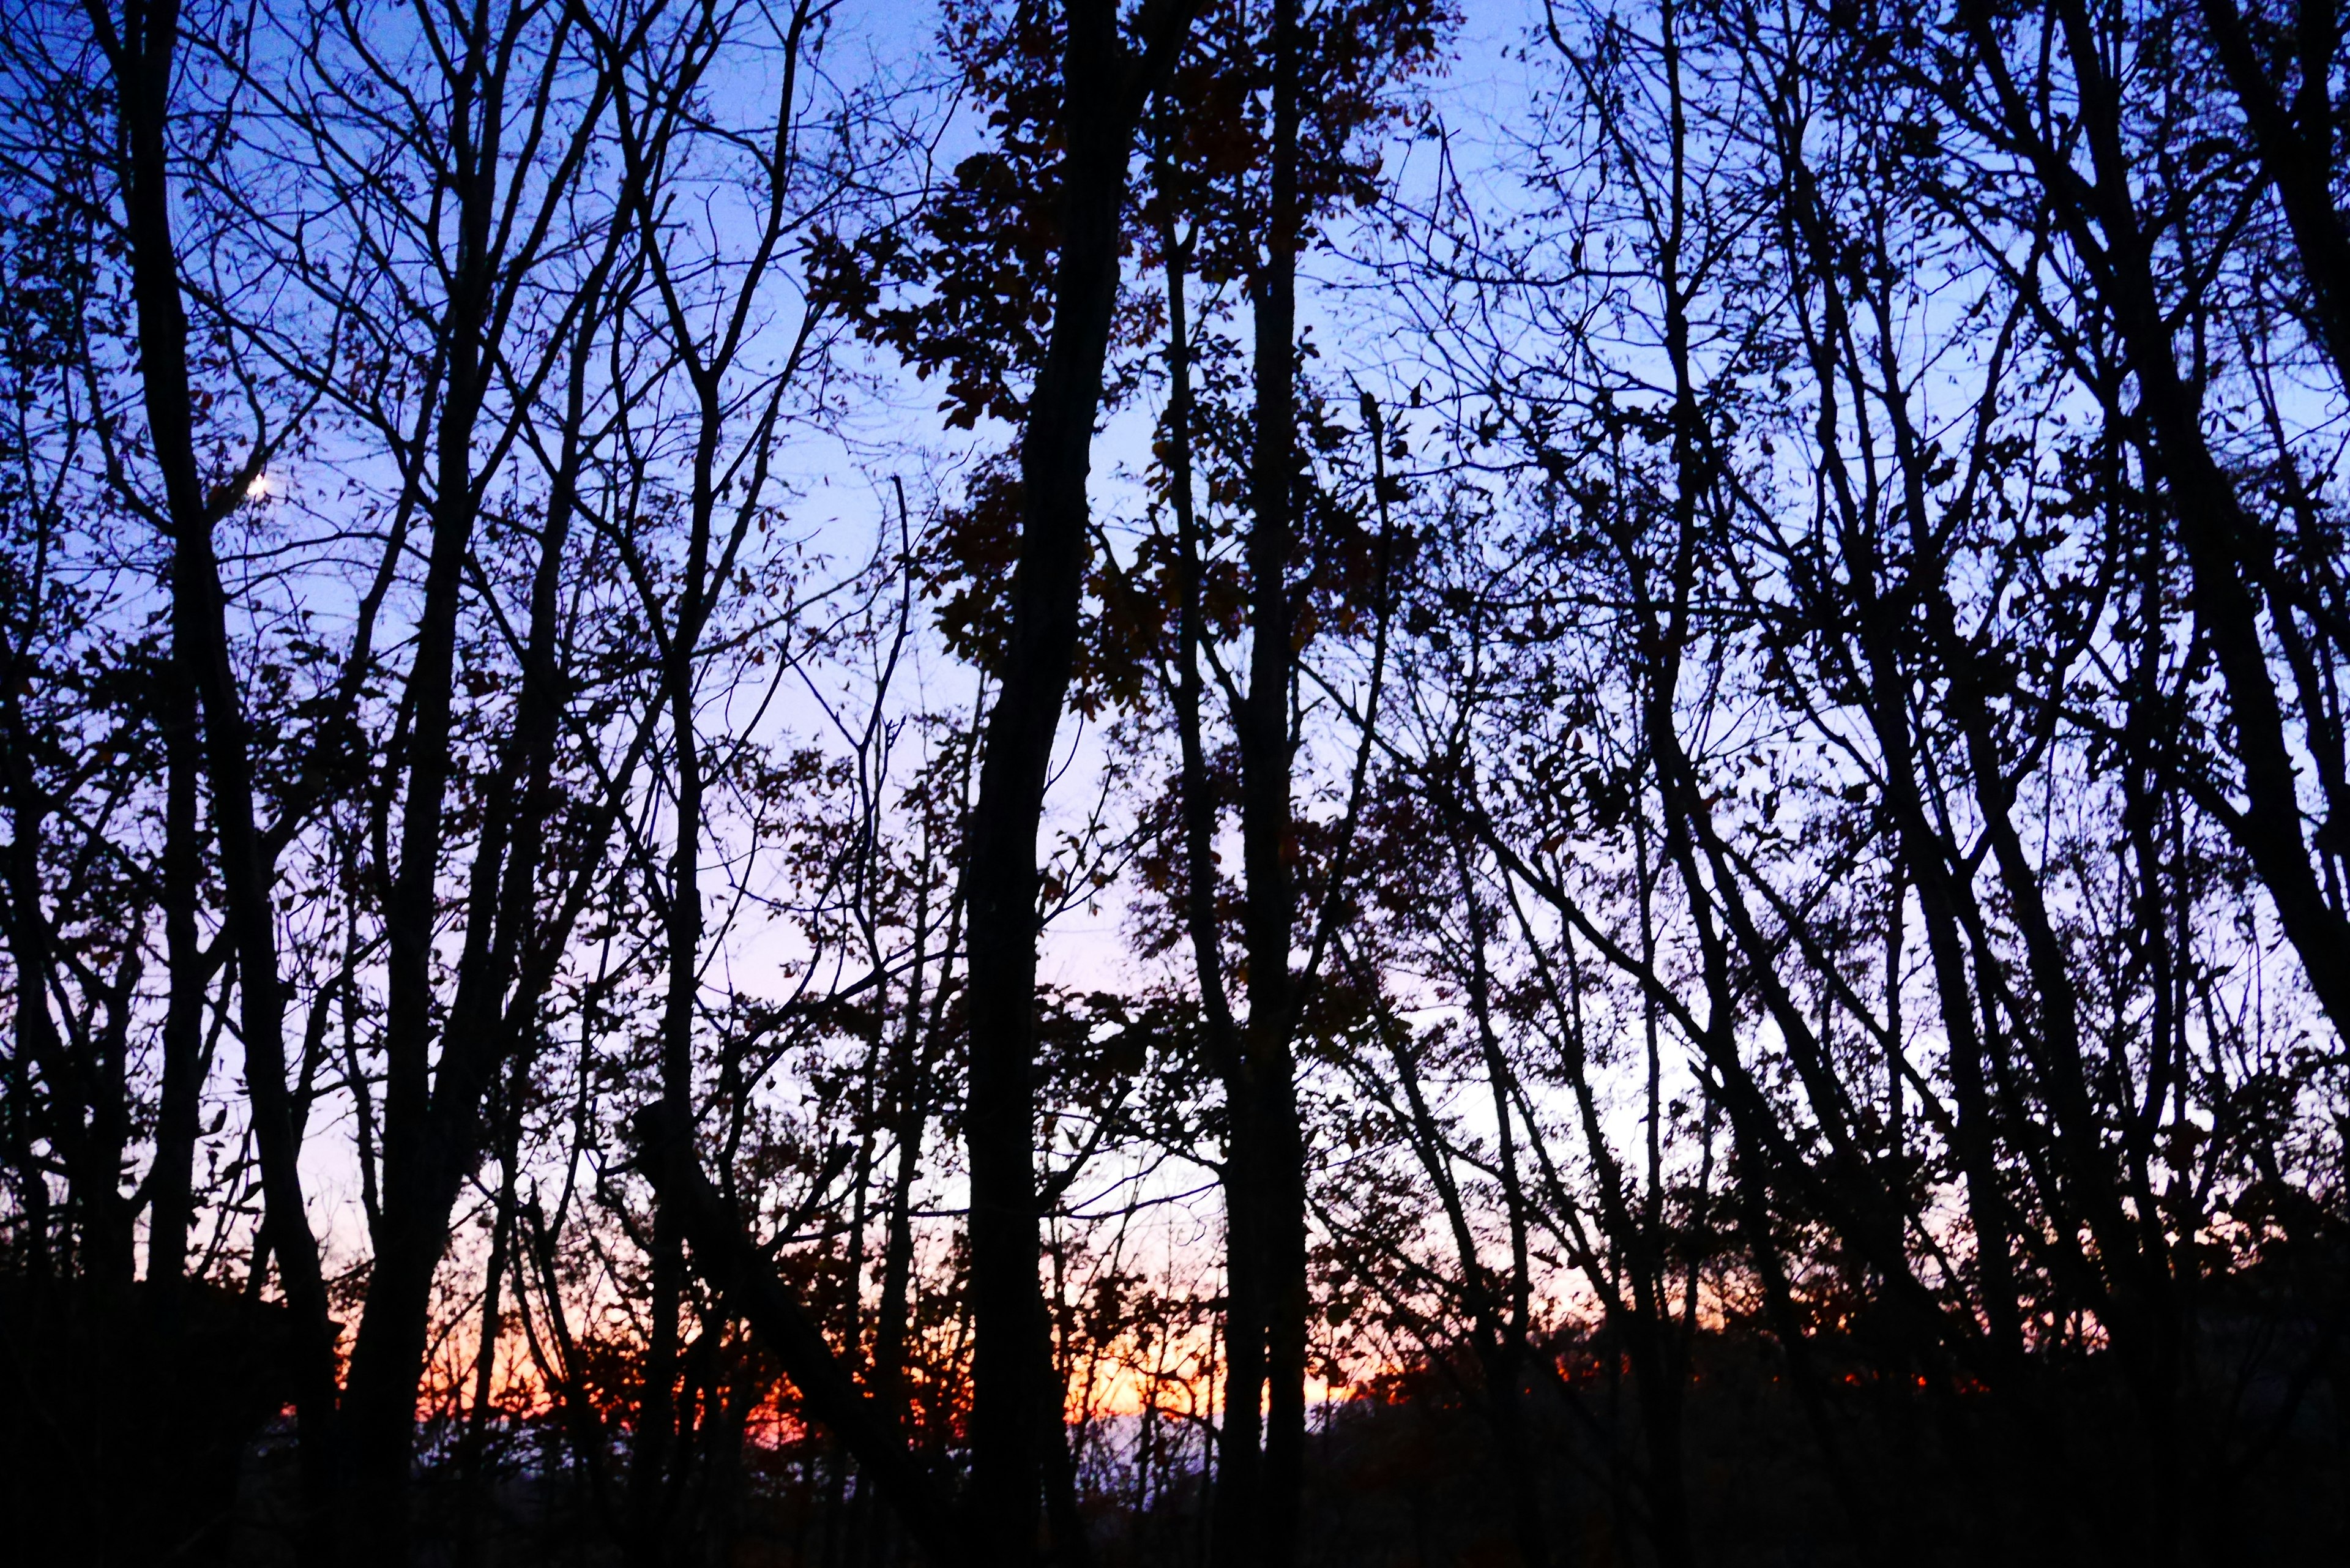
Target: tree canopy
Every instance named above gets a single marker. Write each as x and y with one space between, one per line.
1251 782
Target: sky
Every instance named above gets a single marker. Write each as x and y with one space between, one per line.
841 483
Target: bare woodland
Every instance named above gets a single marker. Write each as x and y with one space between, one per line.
1227 783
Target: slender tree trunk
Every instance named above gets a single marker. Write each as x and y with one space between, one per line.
1239 1436
473 1479
432 1123
171 1198
1274 1175
32 947
911 1098
1015 1391
141 51
1505 1377
110 1224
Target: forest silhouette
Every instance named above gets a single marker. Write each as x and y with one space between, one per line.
1236 784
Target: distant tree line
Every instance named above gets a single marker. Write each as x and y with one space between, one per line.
1191 782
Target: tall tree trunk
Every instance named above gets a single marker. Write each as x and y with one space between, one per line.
910 1101
172 1179
140 53
473 1479
657 1416
1239 1436
1273 1173
1015 1392
39 1047
1509 1352
420 1154
433 1129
